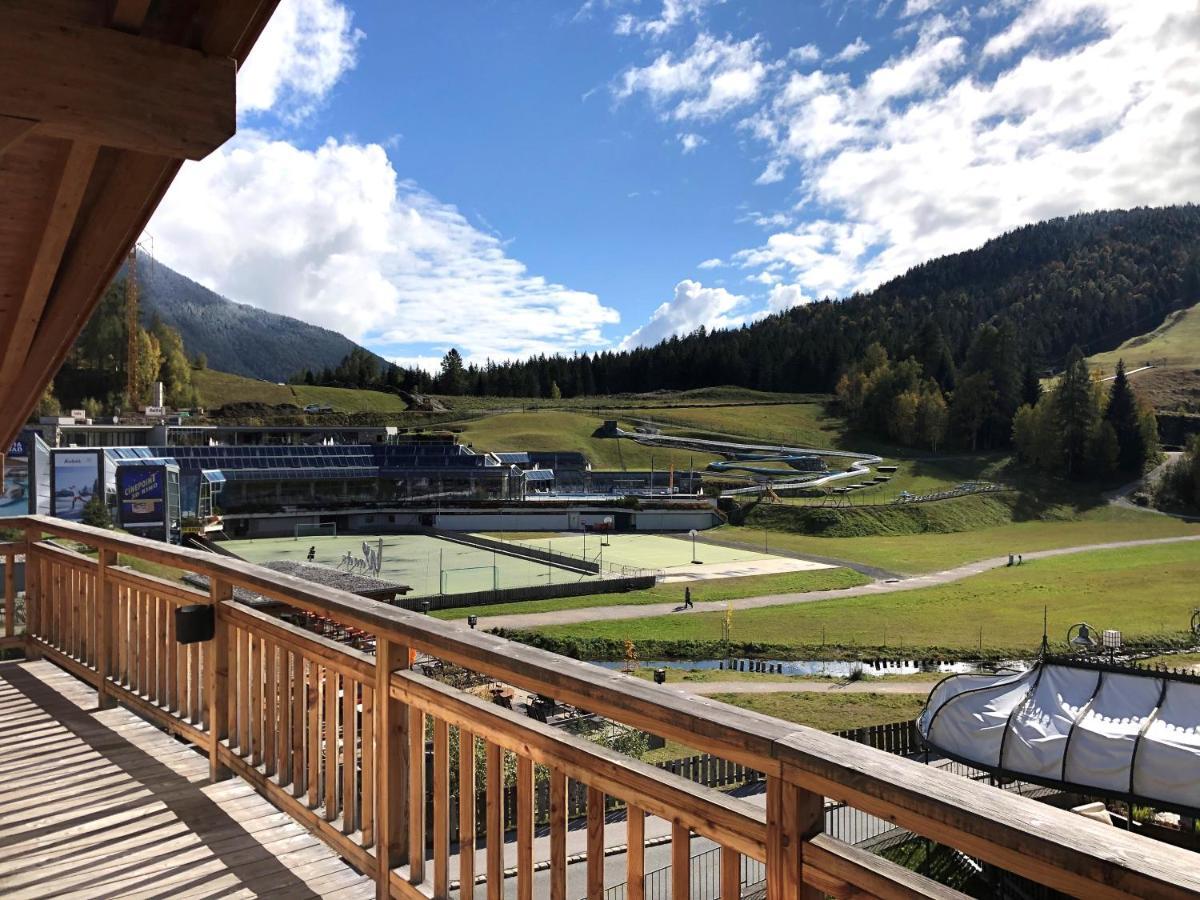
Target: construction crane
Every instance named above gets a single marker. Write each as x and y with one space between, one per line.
131 328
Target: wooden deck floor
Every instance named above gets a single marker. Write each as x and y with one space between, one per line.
97 804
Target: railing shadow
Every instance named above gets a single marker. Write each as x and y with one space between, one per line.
222 836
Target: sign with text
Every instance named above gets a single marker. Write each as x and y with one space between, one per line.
141 491
15 488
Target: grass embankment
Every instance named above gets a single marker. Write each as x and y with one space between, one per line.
711 396
712 589
219 388
826 712
1176 340
574 431
920 552
796 424
1146 592
831 712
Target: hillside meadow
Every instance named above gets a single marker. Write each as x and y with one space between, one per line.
1144 592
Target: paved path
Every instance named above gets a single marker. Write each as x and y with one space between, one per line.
611 613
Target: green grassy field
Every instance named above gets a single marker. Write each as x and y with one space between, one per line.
1141 591
918 553
831 712
711 396
573 431
797 424
1177 340
218 388
712 589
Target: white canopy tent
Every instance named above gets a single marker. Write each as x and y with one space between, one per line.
1099 729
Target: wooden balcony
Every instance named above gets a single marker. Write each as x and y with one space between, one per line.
336 738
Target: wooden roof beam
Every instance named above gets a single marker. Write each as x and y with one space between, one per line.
132 186
103 86
22 323
12 130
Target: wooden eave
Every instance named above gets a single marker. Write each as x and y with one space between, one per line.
100 103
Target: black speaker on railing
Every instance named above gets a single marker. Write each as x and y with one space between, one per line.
195 623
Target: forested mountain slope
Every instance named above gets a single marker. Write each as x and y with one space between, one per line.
1093 279
233 336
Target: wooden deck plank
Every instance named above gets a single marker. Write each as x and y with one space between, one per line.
102 803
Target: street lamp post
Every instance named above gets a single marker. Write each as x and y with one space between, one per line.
692 534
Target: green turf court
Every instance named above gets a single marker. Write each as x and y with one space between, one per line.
416 560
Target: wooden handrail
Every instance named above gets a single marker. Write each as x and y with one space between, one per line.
801 765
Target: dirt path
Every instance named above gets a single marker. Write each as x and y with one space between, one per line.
608 613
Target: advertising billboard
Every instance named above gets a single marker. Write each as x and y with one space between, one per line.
75 480
141 495
15 490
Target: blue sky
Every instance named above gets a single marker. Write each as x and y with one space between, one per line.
522 177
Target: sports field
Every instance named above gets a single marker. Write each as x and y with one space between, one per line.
417 560
432 566
672 555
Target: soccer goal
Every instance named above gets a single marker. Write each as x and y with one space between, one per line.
310 529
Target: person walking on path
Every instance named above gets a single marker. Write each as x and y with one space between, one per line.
687 598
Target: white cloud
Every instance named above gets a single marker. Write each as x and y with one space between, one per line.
303 51
714 263
692 305
804 54
785 296
851 51
925 156
674 13
333 236
691 141
916 7
711 78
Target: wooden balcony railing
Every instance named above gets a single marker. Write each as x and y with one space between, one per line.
336 737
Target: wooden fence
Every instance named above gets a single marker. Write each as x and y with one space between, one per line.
335 737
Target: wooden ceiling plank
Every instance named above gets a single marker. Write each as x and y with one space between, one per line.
232 26
128 15
24 319
107 87
123 206
12 130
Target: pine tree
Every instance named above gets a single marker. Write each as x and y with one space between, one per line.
1075 403
453 379
1123 415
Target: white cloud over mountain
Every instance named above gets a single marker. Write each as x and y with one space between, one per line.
1058 106
333 236
692 305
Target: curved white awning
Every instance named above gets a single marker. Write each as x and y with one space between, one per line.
1098 729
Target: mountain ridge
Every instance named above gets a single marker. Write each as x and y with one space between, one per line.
233 335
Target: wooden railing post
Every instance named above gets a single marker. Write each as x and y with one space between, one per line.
391 765
105 600
33 594
216 677
10 592
793 816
